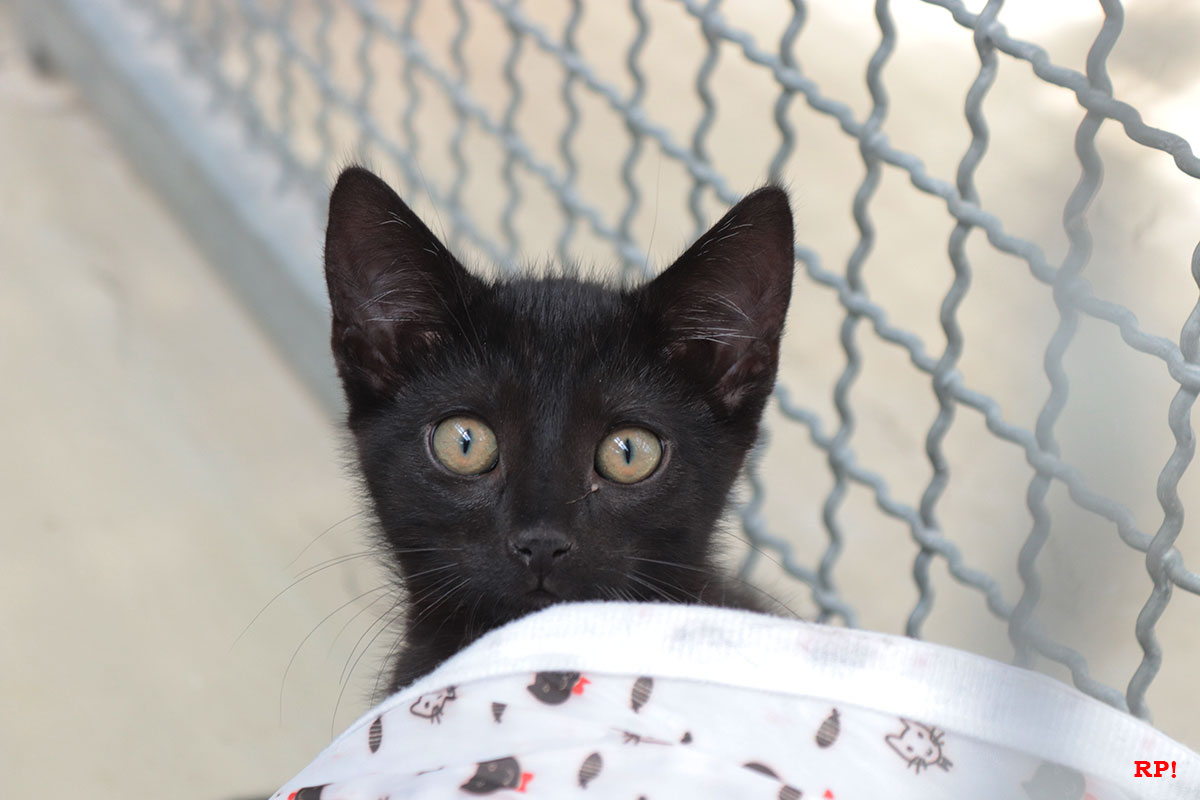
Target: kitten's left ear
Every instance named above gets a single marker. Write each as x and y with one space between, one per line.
395 291
723 302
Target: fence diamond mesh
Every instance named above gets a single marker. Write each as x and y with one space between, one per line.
490 144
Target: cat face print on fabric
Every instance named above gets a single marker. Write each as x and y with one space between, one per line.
493 776
554 688
526 440
919 745
431 706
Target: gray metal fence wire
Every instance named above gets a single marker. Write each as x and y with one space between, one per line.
214 35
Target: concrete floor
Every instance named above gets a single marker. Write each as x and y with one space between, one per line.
161 469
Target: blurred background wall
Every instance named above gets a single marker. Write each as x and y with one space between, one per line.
180 529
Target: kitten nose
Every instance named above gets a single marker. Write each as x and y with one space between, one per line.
540 549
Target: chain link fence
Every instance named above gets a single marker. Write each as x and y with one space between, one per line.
544 128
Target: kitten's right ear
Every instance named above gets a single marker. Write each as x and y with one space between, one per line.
394 289
722 304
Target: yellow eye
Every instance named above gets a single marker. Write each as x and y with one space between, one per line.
464 445
627 455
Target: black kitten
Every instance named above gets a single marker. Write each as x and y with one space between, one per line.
529 441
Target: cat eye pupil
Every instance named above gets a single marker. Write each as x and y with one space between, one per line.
628 455
464 445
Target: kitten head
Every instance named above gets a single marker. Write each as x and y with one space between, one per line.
526 441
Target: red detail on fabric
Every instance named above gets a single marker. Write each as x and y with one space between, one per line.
526 777
828 794
292 796
578 689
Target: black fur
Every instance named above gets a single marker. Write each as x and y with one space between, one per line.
552 365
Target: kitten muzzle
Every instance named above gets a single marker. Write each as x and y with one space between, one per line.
540 550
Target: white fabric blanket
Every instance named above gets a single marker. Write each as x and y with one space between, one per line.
655 701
